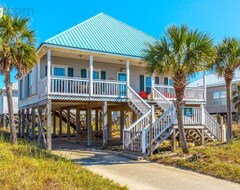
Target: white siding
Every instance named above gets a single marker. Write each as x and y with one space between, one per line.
15 103
1 103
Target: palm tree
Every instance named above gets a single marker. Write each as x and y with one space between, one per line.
236 100
17 50
226 63
179 53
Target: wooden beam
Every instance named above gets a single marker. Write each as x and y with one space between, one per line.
54 123
78 125
60 123
68 124
89 125
109 124
23 123
27 123
40 128
33 123
105 124
96 120
122 124
19 123
49 125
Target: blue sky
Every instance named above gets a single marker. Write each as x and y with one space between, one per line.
220 18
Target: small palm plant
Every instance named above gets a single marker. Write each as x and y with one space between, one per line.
180 53
236 100
17 51
226 63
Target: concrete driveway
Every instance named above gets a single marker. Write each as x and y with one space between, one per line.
142 174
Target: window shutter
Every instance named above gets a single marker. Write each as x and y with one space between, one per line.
165 81
70 72
83 73
141 82
46 70
103 75
156 80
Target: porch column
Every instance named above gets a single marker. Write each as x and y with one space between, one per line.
19 122
105 124
127 76
152 86
49 70
89 125
96 120
122 123
33 123
60 123
109 125
49 124
78 124
54 123
68 124
204 87
91 75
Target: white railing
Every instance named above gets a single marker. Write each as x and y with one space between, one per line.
133 135
195 118
43 87
212 125
137 101
160 100
164 122
109 88
191 93
69 86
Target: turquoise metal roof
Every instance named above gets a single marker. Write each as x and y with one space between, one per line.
103 33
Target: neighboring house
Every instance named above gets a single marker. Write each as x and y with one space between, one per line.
4 104
216 93
94 69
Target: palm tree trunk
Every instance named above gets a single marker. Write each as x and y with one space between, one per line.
179 110
8 85
179 87
229 109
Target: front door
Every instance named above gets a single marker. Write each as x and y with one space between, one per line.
148 86
122 88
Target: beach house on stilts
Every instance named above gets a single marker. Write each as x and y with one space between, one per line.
95 69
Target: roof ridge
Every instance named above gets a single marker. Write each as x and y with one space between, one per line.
129 25
101 13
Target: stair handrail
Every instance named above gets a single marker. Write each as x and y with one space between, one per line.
142 105
212 125
157 95
158 130
136 127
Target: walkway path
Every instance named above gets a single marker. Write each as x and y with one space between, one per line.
142 174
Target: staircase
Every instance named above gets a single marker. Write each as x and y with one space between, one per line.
137 136
133 135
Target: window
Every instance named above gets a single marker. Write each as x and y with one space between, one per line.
96 74
168 81
29 80
59 71
21 90
219 98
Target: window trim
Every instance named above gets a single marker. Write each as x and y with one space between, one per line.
120 72
60 66
88 72
219 98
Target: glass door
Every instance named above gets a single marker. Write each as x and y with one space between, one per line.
122 87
